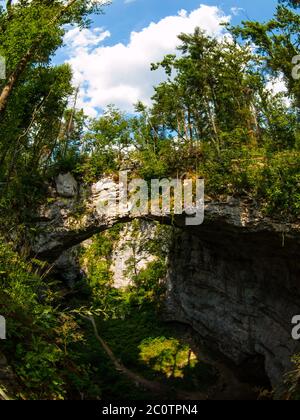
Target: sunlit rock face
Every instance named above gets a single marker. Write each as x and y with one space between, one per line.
66 185
129 246
72 214
240 291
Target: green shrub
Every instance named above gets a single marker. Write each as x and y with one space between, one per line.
40 334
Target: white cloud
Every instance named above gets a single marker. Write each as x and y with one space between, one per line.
85 38
277 85
120 74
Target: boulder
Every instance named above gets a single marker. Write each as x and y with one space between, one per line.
66 185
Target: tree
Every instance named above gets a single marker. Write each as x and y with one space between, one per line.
34 98
213 91
44 19
278 42
292 3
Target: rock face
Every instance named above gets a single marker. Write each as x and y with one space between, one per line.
130 246
70 218
240 292
67 266
66 185
234 279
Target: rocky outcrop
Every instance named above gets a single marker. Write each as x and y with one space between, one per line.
131 246
128 248
68 219
67 266
66 185
234 279
64 222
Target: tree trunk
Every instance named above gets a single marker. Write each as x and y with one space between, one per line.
21 67
12 80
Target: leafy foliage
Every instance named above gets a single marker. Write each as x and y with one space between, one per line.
292 380
40 333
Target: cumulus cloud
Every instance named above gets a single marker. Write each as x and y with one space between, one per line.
120 74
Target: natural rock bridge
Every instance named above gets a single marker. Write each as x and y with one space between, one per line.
72 215
234 279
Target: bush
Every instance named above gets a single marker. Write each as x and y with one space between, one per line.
40 333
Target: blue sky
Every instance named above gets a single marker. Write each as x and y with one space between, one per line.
111 60
121 18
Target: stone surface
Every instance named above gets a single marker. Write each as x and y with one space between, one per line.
67 221
67 266
240 293
131 246
66 185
